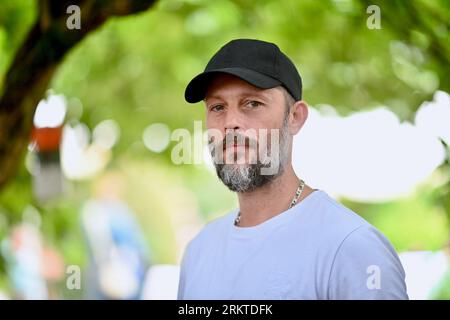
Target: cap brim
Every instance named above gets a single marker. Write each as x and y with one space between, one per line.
196 89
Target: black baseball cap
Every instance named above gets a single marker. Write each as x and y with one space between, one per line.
260 63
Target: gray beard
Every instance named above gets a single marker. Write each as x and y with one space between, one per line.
248 177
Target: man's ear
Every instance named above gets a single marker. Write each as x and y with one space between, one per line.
297 116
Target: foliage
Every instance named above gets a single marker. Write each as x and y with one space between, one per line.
134 70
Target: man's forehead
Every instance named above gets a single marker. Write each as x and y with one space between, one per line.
222 85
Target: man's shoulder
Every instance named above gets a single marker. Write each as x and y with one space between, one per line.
351 231
332 223
329 213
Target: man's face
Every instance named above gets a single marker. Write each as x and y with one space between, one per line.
252 132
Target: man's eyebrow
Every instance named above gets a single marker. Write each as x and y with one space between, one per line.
241 95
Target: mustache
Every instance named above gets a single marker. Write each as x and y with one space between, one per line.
232 139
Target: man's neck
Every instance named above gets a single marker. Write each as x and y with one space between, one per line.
271 199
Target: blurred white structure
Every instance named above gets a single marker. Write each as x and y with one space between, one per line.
50 112
161 283
83 157
424 271
156 137
372 156
434 116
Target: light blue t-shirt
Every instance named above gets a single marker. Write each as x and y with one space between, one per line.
318 249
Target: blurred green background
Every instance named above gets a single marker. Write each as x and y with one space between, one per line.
134 69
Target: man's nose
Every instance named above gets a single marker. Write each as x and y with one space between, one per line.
233 121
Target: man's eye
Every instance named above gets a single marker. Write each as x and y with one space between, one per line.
254 104
216 108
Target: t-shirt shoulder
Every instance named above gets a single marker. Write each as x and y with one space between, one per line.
326 214
361 249
366 266
341 212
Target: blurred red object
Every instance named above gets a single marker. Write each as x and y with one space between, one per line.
52 264
47 139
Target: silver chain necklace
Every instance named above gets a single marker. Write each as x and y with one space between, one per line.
297 195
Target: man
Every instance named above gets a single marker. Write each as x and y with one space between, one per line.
286 240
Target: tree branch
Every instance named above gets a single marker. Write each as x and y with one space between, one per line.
36 62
